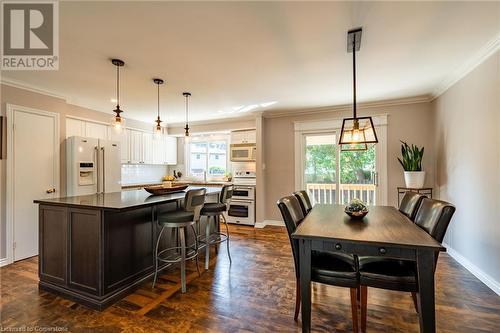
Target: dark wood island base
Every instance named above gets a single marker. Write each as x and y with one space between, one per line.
96 249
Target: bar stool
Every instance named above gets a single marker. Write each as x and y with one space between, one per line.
216 211
180 220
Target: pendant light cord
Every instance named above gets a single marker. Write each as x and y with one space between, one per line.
187 102
118 85
354 73
158 100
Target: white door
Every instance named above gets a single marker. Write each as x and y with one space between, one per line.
33 173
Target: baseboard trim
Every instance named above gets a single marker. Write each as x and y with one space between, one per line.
476 271
265 223
4 262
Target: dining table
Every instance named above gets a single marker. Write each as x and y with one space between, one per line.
384 232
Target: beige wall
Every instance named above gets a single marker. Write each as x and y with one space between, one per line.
21 97
468 164
408 122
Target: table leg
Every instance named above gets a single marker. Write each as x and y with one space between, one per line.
425 270
305 283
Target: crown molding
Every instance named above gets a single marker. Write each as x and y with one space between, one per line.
459 73
25 86
249 117
348 107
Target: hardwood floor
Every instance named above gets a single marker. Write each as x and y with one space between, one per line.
255 294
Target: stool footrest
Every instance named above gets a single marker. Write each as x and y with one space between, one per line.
215 238
190 254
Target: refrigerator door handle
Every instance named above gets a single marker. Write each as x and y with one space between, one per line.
103 172
96 149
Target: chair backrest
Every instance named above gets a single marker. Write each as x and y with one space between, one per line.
409 204
292 216
226 193
304 201
434 216
194 201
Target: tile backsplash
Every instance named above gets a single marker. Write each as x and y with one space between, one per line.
142 173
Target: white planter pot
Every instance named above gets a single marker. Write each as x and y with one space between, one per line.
414 179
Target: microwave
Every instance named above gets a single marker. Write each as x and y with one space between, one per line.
243 152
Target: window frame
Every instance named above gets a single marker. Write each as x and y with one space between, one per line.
207 139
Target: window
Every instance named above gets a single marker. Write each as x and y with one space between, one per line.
208 155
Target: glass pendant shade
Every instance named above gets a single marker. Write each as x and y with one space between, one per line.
357 133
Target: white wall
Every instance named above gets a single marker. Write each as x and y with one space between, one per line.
467 120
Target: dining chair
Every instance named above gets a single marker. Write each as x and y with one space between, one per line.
433 216
410 203
304 201
326 267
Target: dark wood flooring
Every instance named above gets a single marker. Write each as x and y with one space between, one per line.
255 294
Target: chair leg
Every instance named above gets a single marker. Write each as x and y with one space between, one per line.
354 309
196 248
297 299
182 236
156 256
415 301
364 299
207 243
217 229
227 239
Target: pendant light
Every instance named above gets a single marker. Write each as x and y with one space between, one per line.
186 129
357 132
158 129
118 122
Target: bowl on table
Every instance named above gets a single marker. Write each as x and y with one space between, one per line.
356 209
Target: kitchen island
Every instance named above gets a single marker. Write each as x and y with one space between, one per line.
95 249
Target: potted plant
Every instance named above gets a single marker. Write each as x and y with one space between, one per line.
412 165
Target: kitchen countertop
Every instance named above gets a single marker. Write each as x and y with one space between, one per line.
191 182
121 200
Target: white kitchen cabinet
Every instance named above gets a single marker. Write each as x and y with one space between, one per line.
239 137
96 130
125 146
171 150
136 146
75 127
147 146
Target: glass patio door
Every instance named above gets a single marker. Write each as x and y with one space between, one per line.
358 176
320 167
333 176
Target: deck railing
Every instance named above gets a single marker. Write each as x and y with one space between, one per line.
326 193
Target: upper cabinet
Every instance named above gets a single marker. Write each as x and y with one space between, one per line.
239 137
136 146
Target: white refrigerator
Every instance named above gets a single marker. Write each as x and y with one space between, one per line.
93 166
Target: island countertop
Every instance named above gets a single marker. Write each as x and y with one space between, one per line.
121 200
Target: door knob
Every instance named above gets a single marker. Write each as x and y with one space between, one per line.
51 190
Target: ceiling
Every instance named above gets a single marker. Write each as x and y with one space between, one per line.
235 54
